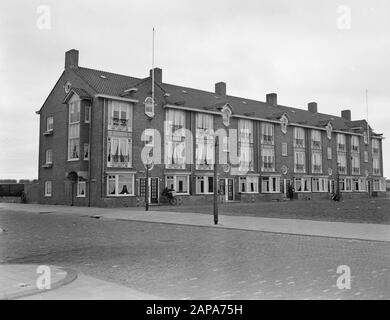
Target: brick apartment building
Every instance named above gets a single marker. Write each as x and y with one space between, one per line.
90 144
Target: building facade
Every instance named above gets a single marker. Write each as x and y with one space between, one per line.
96 127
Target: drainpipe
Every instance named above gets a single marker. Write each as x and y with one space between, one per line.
89 153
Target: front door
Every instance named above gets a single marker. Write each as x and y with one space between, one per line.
230 189
153 190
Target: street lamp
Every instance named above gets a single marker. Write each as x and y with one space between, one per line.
215 185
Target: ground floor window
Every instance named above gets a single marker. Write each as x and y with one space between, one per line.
204 184
358 184
319 185
345 184
81 189
379 185
270 184
48 189
249 184
179 183
121 184
302 184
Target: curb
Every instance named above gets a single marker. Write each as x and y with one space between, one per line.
71 275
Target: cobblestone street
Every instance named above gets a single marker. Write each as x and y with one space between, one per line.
184 262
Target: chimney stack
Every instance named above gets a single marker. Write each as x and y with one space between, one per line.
312 107
157 74
220 89
71 59
272 99
346 114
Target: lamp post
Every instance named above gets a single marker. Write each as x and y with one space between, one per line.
148 166
215 185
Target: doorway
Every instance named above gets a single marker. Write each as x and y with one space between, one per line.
230 189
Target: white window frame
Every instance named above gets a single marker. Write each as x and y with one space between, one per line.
247 181
205 180
120 123
341 142
284 149
48 188
50 124
49 156
273 183
303 181
175 182
355 163
342 161
175 139
316 142
365 154
245 145
79 183
74 126
316 160
267 130
298 156
86 148
329 153
128 142
355 144
267 156
116 179
204 152
320 184
299 135
87 114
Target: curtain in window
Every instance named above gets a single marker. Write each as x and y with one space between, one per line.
245 144
204 140
175 138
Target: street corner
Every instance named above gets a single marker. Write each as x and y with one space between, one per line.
21 280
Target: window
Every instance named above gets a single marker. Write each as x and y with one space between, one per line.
329 153
149 107
316 139
283 124
48 189
245 144
86 151
299 157
365 156
120 115
302 184
376 165
341 142
204 184
299 137
49 124
248 184
375 146
268 159
355 164
365 137
49 156
342 163
354 144
316 162
284 149
87 114
348 184
204 141
267 133
74 129
119 152
270 184
81 189
358 184
179 183
175 152
120 185
379 185
319 184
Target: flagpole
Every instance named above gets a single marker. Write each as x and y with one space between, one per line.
153 66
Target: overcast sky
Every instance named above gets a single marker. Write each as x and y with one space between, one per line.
302 50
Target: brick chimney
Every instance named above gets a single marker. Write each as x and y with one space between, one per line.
272 99
157 74
220 89
312 107
71 59
346 114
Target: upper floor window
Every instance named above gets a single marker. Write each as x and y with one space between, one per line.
365 156
284 149
365 137
245 144
354 144
120 115
48 189
342 163
119 152
355 164
341 142
87 114
267 133
375 146
74 129
299 137
300 161
376 165
316 159
268 159
49 124
329 153
316 139
175 136
204 141
49 156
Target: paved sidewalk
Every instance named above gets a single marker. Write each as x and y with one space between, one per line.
373 232
17 281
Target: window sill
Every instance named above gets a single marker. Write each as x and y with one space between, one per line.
48 133
120 196
270 192
48 195
72 160
47 165
81 196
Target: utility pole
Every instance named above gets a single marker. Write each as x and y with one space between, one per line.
215 185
